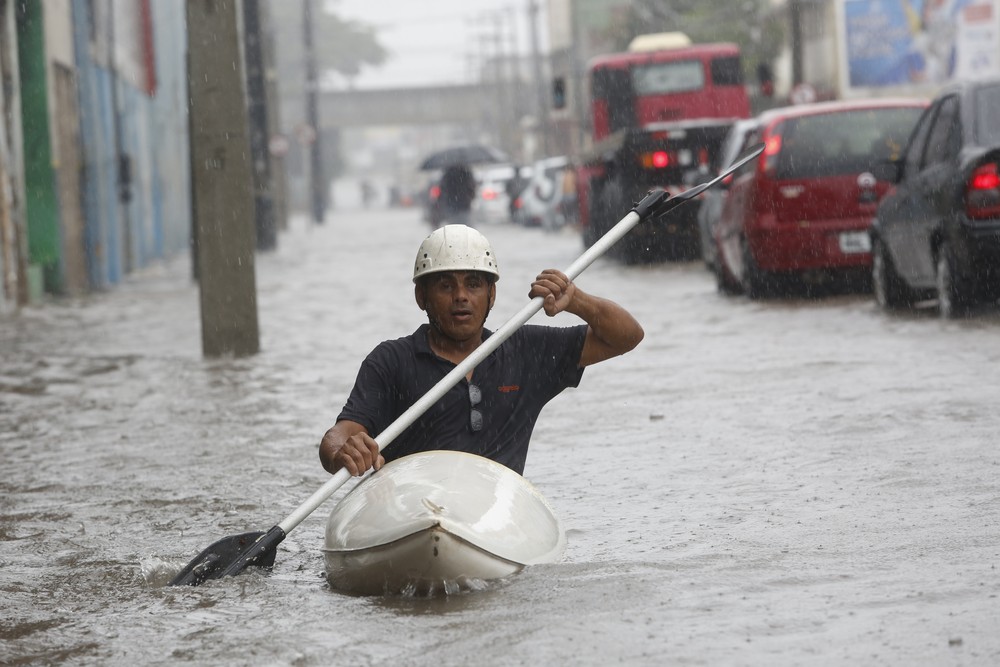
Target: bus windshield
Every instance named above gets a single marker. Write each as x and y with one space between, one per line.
681 76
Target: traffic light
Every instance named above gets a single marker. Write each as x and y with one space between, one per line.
559 93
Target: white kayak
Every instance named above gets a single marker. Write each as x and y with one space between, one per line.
435 522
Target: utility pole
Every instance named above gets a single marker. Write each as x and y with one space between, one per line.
317 189
253 48
490 100
513 88
795 15
499 76
579 112
542 108
222 181
278 150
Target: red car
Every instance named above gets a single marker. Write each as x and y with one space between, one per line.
805 207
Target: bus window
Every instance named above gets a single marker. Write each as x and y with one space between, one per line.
665 78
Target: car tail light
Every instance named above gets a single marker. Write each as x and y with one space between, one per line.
435 192
489 194
772 146
655 160
517 203
982 193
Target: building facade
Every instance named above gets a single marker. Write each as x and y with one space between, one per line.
94 167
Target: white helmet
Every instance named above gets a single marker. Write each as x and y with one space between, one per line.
455 248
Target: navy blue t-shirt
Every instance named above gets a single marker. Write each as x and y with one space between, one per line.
516 380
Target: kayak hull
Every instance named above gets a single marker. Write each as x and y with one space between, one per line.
438 522
427 562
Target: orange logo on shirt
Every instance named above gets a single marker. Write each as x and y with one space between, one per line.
507 388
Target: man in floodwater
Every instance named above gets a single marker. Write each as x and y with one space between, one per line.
493 410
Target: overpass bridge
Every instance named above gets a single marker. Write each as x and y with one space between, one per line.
462 104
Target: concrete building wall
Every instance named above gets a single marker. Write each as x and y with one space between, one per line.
819 43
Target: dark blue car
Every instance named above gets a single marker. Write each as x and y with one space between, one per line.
937 232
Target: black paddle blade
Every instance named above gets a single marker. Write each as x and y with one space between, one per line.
230 556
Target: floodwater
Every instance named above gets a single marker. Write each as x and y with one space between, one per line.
788 482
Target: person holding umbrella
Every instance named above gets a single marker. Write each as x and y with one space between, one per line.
493 410
458 189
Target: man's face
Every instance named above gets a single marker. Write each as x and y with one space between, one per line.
457 302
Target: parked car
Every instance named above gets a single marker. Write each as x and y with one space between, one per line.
492 202
937 232
542 202
805 206
712 199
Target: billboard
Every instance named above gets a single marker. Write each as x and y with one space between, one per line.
919 42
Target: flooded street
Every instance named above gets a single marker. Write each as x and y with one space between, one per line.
789 481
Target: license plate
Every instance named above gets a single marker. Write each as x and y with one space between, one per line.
855 242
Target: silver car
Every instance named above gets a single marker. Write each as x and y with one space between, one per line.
713 198
542 203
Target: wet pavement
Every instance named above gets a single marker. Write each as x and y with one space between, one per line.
792 481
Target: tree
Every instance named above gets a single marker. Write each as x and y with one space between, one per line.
342 48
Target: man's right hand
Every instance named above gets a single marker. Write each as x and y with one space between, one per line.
348 445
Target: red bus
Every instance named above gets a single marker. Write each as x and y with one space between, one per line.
659 115
636 89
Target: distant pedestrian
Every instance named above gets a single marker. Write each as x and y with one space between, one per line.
457 192
367 193
567 197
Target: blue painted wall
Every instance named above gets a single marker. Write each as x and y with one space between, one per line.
155 223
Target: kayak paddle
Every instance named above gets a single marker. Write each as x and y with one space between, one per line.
231 555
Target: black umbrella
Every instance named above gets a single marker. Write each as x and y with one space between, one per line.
468 155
